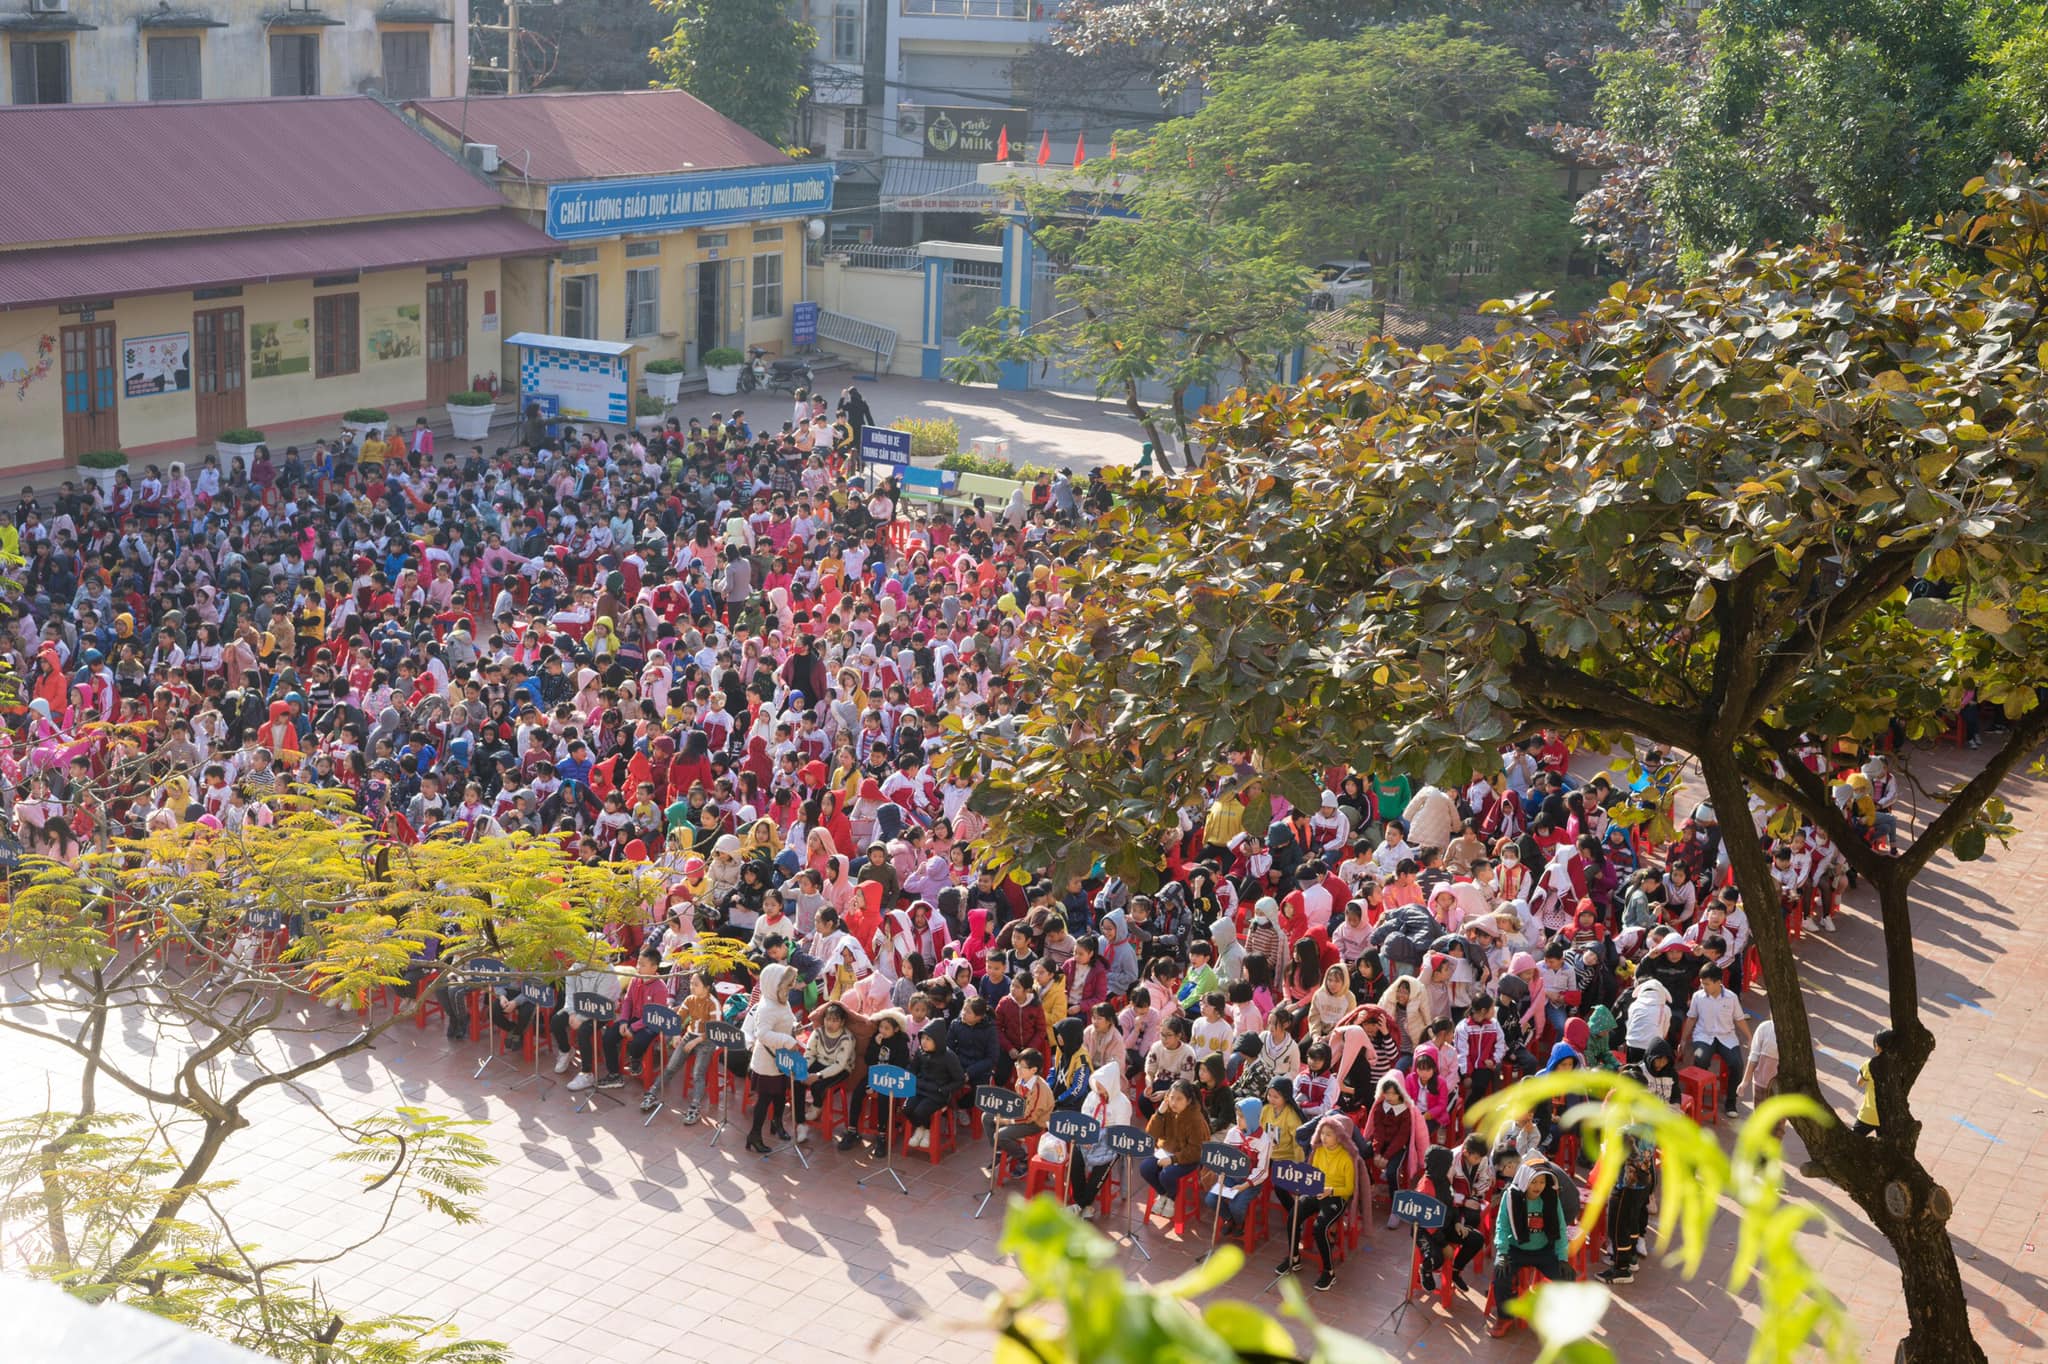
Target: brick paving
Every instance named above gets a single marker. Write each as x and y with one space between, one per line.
601 1239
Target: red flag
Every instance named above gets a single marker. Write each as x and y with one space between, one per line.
1080 150
1112 146
1045 146
1191 156
1003 144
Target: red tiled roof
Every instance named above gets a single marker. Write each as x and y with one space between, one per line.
590 135
160 169
59 274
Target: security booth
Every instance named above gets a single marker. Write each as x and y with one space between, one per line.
575 381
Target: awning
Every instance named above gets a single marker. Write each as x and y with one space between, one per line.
911 184
59 274
575 345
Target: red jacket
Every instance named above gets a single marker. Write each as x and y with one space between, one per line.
1022 1026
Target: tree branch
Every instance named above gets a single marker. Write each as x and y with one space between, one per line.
2027 735
1883 575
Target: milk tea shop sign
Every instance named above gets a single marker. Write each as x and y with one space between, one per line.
664 203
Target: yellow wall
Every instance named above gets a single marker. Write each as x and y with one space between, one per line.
887 298
681 253
32 426
111 63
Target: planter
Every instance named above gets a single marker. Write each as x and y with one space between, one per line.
230 452
666 387
357 429
103 479
647 426
721 380
471 423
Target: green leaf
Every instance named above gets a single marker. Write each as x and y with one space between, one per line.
1566 1312
1247 1330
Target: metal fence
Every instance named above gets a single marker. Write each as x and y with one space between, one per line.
866 257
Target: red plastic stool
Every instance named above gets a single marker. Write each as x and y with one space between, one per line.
1041 1175
1526 1280
1702 1088
1187 1202
1445 1292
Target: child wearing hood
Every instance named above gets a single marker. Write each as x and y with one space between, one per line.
770 1027
1249 1134
1600 1027
1395 1132
975 1042
1649 1018
828 1061
1110 1107
1069 1072
890 1046
1529 1233
1563 1057
939 1076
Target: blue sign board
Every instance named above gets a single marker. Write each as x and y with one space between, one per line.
663 1020
584 209
1078 1128
803 324
1226 1160
1420 1209
1128 1141
892 1082
884 446
725 1035
999 1103
1296 1177
793 1063
595 1006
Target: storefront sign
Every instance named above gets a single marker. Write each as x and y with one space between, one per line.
151 365
666 203
803 325
953 133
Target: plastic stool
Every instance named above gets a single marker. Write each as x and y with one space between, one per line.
1445 1292
1703 1088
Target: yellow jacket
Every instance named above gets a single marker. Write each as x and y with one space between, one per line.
1340 1170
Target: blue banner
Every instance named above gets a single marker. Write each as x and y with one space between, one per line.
884 446
664 203
803 324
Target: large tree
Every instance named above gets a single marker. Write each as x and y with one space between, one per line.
745 58
1802 494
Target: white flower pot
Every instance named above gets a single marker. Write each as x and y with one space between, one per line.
471 423
356 429
228 453
666 387
722 379
647 426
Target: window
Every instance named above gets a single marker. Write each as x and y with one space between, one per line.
407 59
294 63
579 306
641 250
846 30
337 348
42 73
767 286
708 240
643 302
853 133
767 234
174 68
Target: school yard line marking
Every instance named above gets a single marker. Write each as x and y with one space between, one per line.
1969 1126
1848 1061
2018 1085
1970 1004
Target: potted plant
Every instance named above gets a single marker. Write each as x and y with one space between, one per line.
239 443
722 369
471 411
358 420
648 411
100 466
664 380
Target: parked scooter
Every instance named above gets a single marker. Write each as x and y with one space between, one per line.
760 372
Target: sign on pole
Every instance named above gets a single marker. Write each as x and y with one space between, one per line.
881 445
1418 1209
803 325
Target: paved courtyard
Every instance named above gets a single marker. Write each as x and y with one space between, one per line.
602 1239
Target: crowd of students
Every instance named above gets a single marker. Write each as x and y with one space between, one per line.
731 653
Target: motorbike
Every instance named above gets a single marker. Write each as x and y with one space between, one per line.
760 372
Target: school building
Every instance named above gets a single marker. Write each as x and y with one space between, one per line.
676 230
174 271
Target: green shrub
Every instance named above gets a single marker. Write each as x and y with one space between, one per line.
241 435
662 367
932 439
103 459
362 415
647 405
1028 473
719 357
470 397
967 462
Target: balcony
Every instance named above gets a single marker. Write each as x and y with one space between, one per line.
1022 10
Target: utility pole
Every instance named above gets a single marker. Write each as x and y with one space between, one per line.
511 47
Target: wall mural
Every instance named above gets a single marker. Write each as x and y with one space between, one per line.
154 365
393 333
280 348
16 368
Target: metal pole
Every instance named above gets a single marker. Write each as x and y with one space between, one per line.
725 1084
546 1082
1131 1209
1293 1244
995 1167
888 1151
511 47
491 1032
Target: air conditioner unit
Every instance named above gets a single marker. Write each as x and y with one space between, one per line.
48 6
482 155
910 120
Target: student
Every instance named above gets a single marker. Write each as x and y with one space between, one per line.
1278 1048
1463 1181
1213 1033
1218 1102
1528 1233
1170 1061
692 1052
1628 1215
939 1076
1110 1107
1714 1022
1013 1139
975 1041
1333 1155
828 1063
1396 1135
1178 1129
1233 1197
596 979
770 1027
631 1026
1866 1111
1069 1073
890 1046
1480 1047
1020 1025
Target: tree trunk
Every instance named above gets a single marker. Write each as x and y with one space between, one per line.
1863 1167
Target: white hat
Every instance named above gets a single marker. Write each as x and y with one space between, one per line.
1329 800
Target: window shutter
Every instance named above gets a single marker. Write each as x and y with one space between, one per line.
281 82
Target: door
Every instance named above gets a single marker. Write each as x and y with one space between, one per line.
220 394
710 293
447 338
91 419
